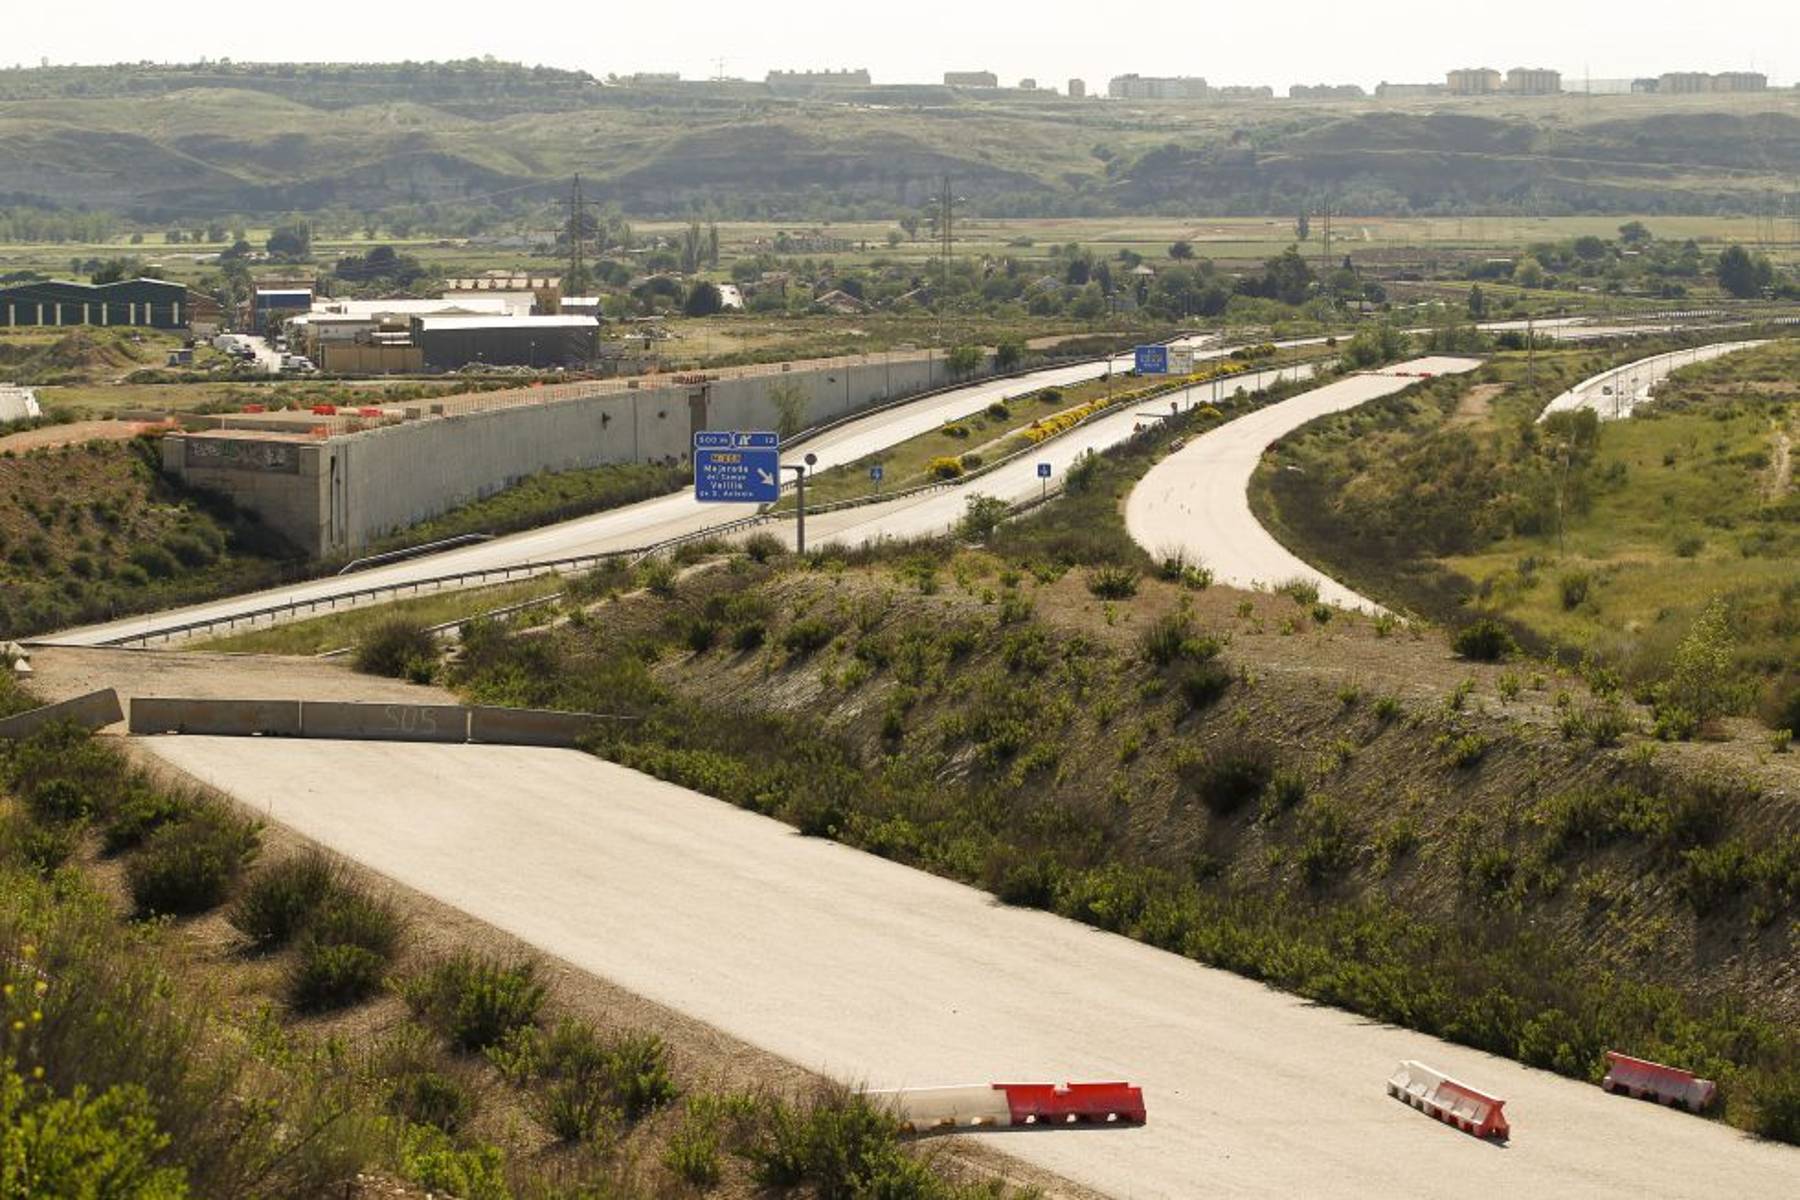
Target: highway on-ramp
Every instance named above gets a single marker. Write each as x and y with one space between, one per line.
1613 394
1196 502
873 972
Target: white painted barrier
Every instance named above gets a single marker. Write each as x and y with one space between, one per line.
999 1105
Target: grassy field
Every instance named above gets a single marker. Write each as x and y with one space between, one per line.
338 631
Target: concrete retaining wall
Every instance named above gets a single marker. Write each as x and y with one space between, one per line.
224 718
335 496
93 711
356 721
385 722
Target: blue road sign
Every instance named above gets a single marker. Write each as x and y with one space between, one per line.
1043 470
875 472
1152 360
735 467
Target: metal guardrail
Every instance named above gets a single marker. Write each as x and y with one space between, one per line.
424 548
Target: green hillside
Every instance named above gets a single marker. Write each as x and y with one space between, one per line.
163 142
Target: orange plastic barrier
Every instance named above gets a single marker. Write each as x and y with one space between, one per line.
368 412
1642 1079
324 410
254 408
1065 1104
1437 1095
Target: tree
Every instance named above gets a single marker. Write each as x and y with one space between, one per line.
789 400
1182 250
910 223
1009 353
1287 278
1742 274
1477 303
965 359
1529 273
703 300
1705 681
894 238
290 241
1634 233
692 248
1303 226
712 244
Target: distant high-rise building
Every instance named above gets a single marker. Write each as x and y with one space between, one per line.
1150 87
1077 89
1028 85
1740 81
1242 92
1533 81
1474 81
971 79
1326 91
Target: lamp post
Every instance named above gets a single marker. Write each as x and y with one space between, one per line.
799 470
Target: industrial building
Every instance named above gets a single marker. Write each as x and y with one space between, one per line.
1077 89
971 79
151 303
1533 81
448 343
845 78
1148 87
1474 81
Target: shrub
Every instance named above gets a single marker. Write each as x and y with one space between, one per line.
189 866
1113 582
349 917
1485 641
970 460
748 636
1704 681
393 646
944 467
1203 684
807 635
658 576
1303 592
1573 588
476 1002
1230 776
328 975
430 1097
982 515
998 411
761 547
83 1145
141 812
637 1067
1171 638
280 900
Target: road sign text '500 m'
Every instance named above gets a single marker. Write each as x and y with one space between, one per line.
736 467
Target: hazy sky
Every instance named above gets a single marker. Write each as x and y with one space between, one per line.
1274 43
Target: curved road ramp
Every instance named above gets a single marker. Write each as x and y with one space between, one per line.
1613 394
1196 502
867 970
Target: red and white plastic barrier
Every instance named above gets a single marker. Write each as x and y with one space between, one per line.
1644 1080
999 1105
1437 1095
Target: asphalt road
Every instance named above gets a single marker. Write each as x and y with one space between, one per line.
1196 501
1613 394
878 974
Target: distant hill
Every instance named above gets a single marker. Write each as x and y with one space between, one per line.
208 139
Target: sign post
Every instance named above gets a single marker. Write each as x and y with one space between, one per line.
875 476
1152 360
1043 481
736 467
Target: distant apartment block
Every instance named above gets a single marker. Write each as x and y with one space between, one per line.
971 79
1077 89
1242 92
1474 81
1151 87
1692 83
845 78
1028 85
1326 91
1533 81
1409 91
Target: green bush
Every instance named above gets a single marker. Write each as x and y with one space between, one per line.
142 811
1203 684
748 636
1573 589
475 1002
279 901
998 411
391 648
1231 775
82 1145
329 975
189 866
1485 641
761 547
1112 582
430 1097
353 918
807 635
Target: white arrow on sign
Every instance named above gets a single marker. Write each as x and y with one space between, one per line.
766 478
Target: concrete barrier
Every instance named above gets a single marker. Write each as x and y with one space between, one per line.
223 718
1000 1105
384 722
93 711
529 726
1437 1095
1642 1079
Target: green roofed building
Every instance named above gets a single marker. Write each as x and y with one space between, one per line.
151 303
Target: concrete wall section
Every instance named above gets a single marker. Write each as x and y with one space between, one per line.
385 722
529 726
295 502
223 718
93 711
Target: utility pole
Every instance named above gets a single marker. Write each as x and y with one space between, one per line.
946 206
577 267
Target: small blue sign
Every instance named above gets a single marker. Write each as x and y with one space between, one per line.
1152 360
1043 470
875 472
735 467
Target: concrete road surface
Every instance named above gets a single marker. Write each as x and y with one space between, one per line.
1613 394
1196 501
870 971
